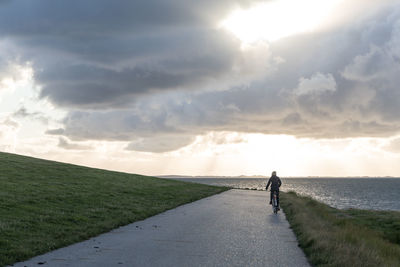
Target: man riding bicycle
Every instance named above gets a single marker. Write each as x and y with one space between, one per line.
275 183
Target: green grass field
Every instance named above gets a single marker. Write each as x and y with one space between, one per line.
333 237
46 205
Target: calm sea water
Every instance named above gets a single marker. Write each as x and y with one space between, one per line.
360 193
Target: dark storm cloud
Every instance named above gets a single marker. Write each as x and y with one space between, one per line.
100 81
93 17
100 86
97 53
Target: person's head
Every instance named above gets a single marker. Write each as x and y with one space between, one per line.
274 173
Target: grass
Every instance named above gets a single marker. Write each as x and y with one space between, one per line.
333 237
45 205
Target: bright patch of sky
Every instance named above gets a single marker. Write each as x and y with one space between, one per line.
273 20
23 116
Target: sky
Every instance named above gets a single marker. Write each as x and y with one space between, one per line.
229 87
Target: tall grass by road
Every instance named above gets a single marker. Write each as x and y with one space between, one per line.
46 205
333 237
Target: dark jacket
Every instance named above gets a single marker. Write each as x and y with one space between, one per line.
275 183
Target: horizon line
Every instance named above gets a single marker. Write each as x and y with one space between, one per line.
265 177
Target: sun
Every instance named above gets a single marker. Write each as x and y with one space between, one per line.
274 20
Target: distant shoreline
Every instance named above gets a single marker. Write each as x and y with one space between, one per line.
266 177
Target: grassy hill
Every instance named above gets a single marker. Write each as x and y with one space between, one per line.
45 205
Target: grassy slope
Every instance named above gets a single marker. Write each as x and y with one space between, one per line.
45 205
332 237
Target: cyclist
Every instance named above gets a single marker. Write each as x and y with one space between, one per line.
275 183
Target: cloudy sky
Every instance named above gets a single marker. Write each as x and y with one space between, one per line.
227 87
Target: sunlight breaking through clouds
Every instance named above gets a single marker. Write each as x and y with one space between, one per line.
276 19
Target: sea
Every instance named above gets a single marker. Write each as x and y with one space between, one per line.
343 193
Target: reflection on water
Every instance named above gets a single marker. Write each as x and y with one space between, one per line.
362 193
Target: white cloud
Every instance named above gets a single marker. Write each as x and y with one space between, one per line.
66 144
160 144
23 113
373 65
380 62
318 83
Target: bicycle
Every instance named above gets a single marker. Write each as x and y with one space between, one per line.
275 207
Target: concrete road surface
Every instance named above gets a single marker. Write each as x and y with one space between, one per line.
235 228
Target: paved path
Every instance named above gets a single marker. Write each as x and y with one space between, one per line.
235 228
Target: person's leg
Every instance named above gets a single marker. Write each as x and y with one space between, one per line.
277 196
270 199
